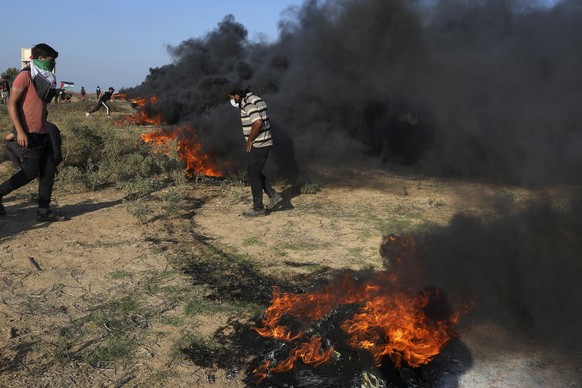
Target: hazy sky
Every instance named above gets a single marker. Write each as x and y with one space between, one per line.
115 43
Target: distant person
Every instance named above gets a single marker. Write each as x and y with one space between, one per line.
3 91
257 133
83 93
102 101
97 92
57 95
27 107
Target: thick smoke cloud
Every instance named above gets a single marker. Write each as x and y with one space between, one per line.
503 86
521 271
464 87
470 88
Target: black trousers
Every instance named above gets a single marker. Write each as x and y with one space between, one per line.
13 151
256 160
98 106
37 161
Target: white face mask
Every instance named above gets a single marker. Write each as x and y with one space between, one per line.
234 103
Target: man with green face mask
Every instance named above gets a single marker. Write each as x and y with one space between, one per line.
31 90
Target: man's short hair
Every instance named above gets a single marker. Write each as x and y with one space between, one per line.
236 89
43 50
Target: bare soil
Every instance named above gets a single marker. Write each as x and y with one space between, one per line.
104 253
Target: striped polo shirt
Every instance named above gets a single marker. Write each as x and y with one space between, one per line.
252 109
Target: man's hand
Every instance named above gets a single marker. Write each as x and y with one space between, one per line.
16 95
22 139
255 131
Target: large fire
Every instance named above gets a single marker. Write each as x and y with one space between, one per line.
141 117
384 320
118 96
189 149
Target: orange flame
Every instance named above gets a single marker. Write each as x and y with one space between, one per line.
390 323
189 149
141 117
139 102
118 96
396 326
310 353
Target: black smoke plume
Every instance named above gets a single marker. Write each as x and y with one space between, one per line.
468 88
522 270
464 87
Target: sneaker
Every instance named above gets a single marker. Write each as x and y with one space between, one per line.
255 213
274 201
87 114
50 216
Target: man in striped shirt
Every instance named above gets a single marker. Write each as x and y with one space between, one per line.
257 133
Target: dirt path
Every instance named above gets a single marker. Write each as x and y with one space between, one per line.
103 257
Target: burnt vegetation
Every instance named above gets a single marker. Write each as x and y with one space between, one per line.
237 346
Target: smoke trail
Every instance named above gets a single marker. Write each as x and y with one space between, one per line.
471 88
521 270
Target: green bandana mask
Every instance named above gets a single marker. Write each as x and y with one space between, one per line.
44 64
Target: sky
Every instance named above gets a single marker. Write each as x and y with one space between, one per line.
115 43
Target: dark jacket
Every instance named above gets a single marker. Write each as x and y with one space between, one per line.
105 97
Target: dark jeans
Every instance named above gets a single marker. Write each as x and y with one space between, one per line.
256 160
36 161
13 151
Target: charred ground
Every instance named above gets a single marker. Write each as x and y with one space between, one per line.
182 290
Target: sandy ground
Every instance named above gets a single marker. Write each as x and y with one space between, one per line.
341 226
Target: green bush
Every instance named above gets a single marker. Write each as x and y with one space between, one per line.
81 144
99 152
129 166
70 176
